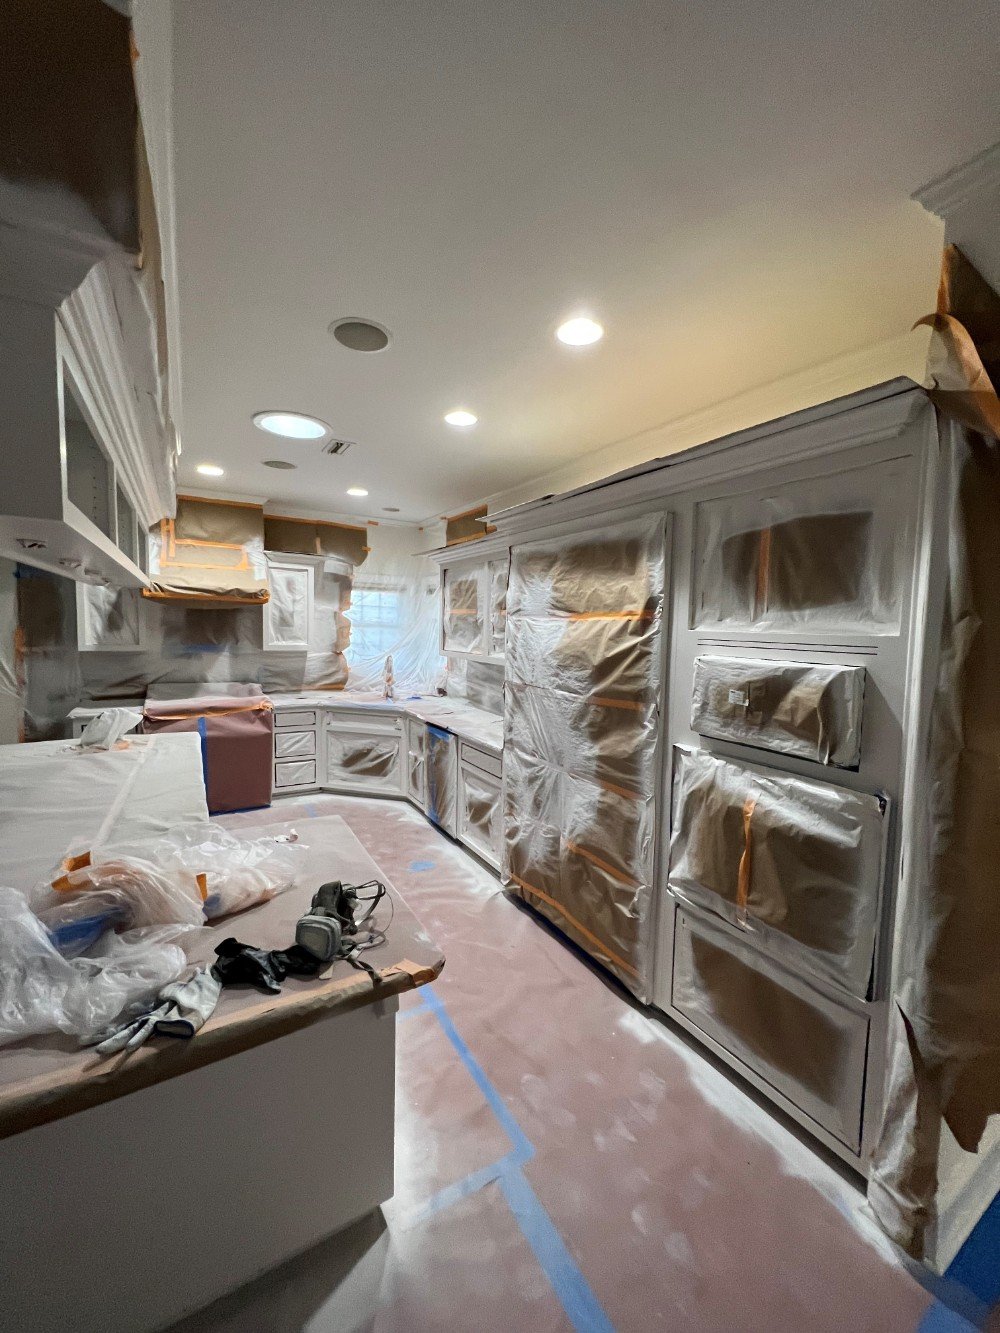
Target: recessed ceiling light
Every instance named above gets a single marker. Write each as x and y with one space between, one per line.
210 470
356 490
279 463
291 425
360 335
460 417
580 332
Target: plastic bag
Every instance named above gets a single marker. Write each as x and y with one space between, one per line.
238 872
120 891
41 991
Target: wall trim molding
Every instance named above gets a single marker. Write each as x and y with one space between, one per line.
959 185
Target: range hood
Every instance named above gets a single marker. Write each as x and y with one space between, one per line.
211 553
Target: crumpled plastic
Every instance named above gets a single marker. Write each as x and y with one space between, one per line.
193 874
108 728
43 992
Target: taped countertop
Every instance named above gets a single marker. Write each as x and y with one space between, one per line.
46 1078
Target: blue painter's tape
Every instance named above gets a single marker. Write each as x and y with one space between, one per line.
568 1283
940 1319
311 811
496 1103
977 1264
421 865
581 1305
203 733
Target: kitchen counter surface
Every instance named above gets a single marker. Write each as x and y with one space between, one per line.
454 715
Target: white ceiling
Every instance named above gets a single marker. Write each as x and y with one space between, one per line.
724 185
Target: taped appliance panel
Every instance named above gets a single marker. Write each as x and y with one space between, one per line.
581 728
805 1044
794 863
807 710
823 554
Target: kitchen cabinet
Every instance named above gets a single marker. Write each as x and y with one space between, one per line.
416 761
288 612
109 620
296 750
480 810
364 753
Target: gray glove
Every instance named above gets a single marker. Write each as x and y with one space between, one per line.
179 1011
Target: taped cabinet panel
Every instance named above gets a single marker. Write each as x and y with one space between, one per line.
805 1044
824 553
581 724
463 609
796 708
795 863
362 760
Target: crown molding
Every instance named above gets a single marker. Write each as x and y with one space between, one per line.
955 188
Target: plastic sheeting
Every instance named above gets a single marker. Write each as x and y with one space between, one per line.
464 603
441 770
795 863
581 726
498 571
809 1047
482 813
821 552
944 1048
362 760
810 711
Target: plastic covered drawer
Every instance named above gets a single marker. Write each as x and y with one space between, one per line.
297 717
811 711
806 1045
796 863
294 744
295 773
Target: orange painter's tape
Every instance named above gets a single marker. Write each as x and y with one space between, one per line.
578 926
743 874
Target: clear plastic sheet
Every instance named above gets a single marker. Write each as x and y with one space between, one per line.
797 864
498 572
442 779
112 617
807 710
41 991
464 608
944 1041
810 1048
819 553
482 815
362 759
581 725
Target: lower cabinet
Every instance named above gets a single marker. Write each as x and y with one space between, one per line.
365 754
295 751
480 810
416 761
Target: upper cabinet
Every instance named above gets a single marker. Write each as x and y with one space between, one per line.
87 435
288 613
474 606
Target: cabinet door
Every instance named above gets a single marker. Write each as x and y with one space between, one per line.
416 747
288 612
364 761
480 814
108 620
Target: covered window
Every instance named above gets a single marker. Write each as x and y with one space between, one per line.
376 616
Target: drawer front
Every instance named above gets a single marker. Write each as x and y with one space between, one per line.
481 759
295 773
805 1044
294 744
364 724
294 717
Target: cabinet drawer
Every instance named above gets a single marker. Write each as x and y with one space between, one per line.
295 773
295 717
481 759
805 1044
364 724
294 744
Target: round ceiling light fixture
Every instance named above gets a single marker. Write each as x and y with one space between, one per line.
291 425
356 490
579 332
210 470
461 417
360 335
280 463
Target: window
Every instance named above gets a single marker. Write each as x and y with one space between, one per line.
376 616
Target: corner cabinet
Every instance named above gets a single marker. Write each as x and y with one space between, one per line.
288 612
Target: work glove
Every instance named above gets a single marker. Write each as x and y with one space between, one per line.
180 1010
240 963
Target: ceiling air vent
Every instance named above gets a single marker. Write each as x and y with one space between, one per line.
337 446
